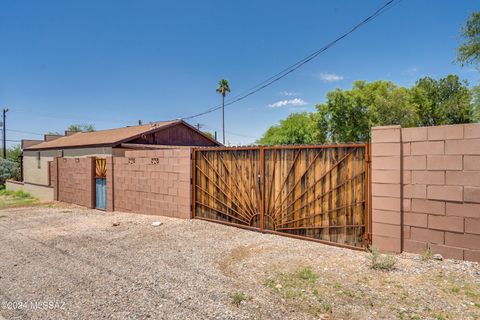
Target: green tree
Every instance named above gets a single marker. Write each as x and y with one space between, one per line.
223 88
444 101
469 50
55 133
297 128
347 115
8 170
209 134
81 127
14 153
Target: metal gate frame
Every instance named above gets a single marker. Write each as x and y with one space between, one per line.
261 149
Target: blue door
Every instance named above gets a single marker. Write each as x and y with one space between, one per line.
101 193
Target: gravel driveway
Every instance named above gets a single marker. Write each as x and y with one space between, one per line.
73 263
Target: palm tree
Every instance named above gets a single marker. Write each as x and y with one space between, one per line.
223 88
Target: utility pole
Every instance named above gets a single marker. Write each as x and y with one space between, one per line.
4 134
223 118
199 125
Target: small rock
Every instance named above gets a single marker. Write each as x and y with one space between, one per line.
115 224
437 256
156 223
278 286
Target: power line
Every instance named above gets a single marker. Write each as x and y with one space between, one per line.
27 132
276 77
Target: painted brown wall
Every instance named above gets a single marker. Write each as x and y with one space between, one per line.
428 181
179 135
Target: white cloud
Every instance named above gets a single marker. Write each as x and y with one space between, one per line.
330 77
412 71
289 102
288 93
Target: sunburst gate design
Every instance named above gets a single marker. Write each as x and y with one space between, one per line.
100 168
317 192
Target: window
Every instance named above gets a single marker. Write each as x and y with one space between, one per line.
39 165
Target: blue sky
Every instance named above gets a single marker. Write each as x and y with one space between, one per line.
111 63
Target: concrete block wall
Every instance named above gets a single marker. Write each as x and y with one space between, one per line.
440 189
153 182
110 196
386 188
74 182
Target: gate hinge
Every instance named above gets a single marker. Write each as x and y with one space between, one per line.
368 238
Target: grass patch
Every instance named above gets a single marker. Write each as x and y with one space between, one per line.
427 254
379 261
239 297
302 287
19 198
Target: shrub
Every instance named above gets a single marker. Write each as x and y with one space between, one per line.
427 254
385 262
238 297
8 170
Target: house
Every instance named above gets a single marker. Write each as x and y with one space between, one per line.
38 154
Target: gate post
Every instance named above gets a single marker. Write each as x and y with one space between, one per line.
193 183
261 187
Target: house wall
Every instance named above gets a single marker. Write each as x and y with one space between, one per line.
152 182
179 135
37 172
426 190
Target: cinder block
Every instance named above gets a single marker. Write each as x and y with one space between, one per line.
445 132
414 134
386 176
384 216
386 149
427 235
406 149
386 230
472 225
386 243
445 223
427 147
386 190
471 255
472 194
447 162
406 232
471 210
471 131
386 134
414 162
463 240
415 219
448 252
463 178
417 191
471 162
428 177
414 246
386 163
407 204
428 206
470 147
447 193
407 177
386 203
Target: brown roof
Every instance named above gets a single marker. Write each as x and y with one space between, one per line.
109 137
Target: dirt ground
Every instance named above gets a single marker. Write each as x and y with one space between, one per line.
73 263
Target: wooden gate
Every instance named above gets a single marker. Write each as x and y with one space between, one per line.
319 193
